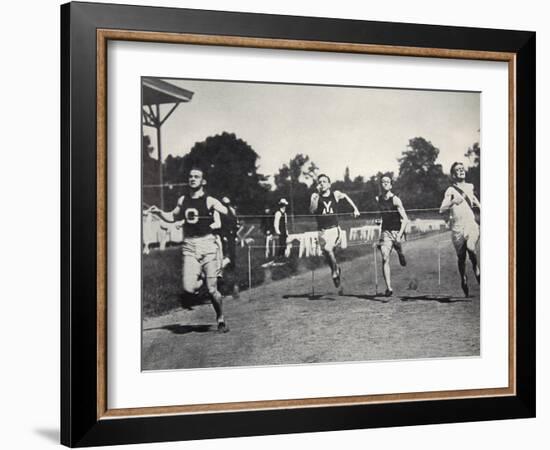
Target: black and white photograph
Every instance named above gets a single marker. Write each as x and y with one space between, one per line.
303 224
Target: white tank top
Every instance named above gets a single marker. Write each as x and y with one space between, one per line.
461 216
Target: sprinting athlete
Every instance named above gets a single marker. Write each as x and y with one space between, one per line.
394 224
201 248
459 202
324 204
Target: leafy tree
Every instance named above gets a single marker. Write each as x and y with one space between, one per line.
150 173
346 184
473 172
292 182
175 180
358 182
231 167
421 180
296 171
347 178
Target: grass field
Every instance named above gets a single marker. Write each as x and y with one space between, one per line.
162 275
301 319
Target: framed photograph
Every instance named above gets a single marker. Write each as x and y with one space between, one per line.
279 224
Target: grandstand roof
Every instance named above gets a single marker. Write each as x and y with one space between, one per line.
157 92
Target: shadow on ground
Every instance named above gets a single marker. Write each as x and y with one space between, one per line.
309 296
185 329
188 301
434 298
378 297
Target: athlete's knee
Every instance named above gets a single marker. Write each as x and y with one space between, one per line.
189 289
191 286
214 293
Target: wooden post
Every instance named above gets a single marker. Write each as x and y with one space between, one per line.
375 271
438 264
161 177
249 272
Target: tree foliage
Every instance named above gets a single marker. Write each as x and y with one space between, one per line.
421 179
293 182
296 171
149 173
347 178
232 170
231 166
473 172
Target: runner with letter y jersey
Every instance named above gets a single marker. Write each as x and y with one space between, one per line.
324 204
201 248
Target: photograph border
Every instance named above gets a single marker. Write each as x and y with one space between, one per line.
86 29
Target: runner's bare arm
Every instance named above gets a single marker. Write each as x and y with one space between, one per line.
216 205
167 216
313 203
446 203
404 218
450 199
340 195
216 221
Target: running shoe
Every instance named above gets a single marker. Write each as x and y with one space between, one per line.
388 293
400 254
222 327
402 259
336 279
465 287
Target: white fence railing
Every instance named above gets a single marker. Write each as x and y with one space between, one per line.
157 231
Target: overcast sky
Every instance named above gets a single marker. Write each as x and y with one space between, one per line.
363 128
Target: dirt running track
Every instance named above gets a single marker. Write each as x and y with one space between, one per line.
282 323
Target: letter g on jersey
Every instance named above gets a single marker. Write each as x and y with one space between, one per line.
191 215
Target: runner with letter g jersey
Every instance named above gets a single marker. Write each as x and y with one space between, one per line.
196 215
201 248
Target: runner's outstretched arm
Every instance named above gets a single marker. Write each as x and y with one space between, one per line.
449 200
341 195
167 216
216 205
